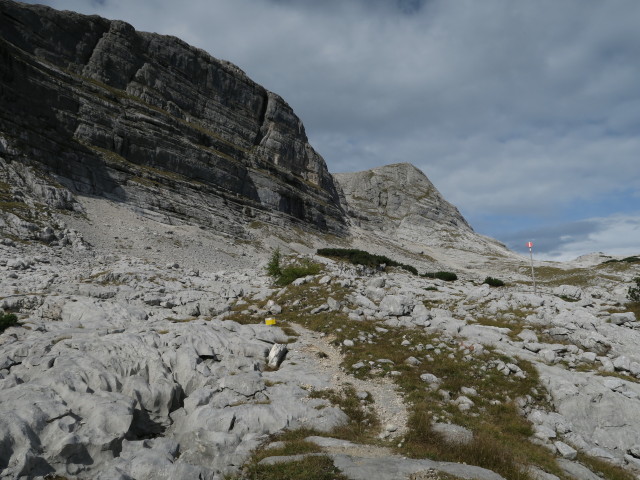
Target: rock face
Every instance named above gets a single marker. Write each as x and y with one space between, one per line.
397 197
149 120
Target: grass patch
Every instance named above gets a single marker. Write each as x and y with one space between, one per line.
554 277
284 275
292 443
317 467
293 272
363 422
604 469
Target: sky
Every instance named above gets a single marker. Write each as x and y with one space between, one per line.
524 114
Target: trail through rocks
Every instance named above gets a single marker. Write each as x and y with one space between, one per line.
388 403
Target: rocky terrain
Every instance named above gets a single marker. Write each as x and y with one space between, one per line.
145 187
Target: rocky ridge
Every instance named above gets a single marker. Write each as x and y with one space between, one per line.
399 204
96 107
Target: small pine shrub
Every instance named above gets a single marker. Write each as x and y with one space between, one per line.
7 320
273 267
493 282
634 292
361 257
446 276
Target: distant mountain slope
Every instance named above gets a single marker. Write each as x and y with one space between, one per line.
397 196
400 204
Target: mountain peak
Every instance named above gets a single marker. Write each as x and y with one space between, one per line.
397 196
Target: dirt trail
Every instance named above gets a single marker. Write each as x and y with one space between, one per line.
389 405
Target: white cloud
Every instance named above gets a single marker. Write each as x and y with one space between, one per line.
613 235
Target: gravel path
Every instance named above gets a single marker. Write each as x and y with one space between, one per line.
389 405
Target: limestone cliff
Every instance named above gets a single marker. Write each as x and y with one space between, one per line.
400 199
149 120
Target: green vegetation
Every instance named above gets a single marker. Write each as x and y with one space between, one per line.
493 282
285 275
363 423
361 257
632 259
273 267
316 467
7 320
446 276
634 292
604 469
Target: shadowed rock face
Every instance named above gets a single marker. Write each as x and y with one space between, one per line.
150 120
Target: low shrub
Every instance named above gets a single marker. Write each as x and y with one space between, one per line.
632 259
289 273
493 282
361 257
285 275
318 467
7 320
446 276
634 292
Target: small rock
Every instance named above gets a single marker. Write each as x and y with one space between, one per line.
468 391
277 354
429 378
528 336
412 361
635 450
565 450
362 395
622 318
453 433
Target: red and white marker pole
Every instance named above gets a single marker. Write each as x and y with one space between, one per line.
533 276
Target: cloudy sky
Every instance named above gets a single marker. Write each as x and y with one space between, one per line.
524 114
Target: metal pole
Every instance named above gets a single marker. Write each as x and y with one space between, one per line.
533 276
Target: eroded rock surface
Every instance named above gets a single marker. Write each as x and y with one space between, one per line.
147 119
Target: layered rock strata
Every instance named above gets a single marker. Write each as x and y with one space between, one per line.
149 120
398 202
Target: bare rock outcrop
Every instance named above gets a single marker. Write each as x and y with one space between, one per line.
147 119
400 203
